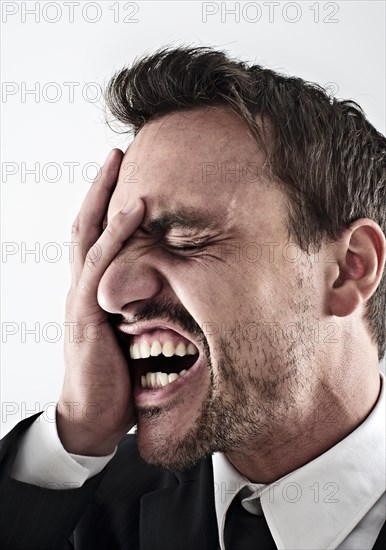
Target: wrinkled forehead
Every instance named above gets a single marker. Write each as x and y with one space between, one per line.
204 158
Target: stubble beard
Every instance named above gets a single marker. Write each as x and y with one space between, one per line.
240 409
249 399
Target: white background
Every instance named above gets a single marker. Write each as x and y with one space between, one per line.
341 44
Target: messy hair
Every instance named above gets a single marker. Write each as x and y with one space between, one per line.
323 152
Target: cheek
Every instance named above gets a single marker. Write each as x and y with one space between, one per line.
211 297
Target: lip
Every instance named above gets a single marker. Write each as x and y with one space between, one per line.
194 376
136 329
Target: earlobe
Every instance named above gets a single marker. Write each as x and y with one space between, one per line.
360 262
344 299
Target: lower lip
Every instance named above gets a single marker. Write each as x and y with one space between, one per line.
159 396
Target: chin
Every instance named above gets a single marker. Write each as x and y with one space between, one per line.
169 449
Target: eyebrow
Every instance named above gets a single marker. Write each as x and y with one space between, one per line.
185 218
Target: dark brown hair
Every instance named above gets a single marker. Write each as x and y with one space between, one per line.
325 154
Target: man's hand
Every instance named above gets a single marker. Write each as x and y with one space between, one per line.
95 408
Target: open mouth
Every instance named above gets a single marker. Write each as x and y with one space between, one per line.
159 357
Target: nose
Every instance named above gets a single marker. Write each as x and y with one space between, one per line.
125 283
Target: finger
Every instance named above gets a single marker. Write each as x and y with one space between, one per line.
88 224
101 254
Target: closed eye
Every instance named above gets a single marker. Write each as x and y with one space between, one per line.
187 247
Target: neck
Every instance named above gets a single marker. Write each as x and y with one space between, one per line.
338 410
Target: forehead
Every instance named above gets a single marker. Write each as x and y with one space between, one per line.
202 159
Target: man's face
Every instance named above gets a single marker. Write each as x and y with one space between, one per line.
237 291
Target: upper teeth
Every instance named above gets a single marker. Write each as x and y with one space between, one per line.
144 350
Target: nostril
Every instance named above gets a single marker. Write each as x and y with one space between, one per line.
125 286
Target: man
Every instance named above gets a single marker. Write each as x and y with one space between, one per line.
230 275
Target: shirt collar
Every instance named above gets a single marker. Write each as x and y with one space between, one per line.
332 493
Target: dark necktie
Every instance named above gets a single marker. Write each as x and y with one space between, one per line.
246 531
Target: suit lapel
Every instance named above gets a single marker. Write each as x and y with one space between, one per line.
181 517
381 540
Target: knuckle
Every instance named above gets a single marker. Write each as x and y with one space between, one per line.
115 233
93 255
75 229
91 262
112 226
117 223
109 231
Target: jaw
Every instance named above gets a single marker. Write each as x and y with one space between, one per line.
168 430
170 419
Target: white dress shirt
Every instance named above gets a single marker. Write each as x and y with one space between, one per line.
336 501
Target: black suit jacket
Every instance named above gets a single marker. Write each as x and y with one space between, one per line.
129 505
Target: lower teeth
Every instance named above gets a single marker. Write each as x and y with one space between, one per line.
159 379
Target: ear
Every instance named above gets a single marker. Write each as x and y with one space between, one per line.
360 260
